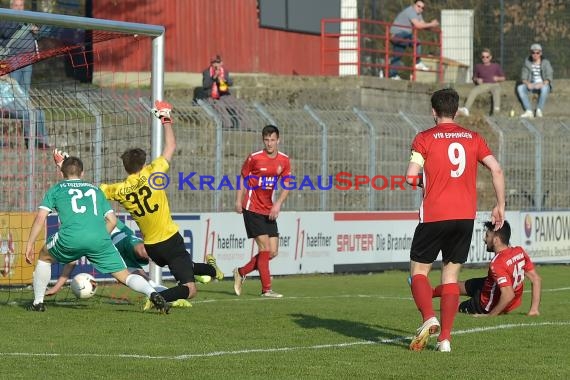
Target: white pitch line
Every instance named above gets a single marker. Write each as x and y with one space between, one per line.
549 290
262 299
283 349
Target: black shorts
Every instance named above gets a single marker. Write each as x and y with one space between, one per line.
473 288
258 224
172 252
451 237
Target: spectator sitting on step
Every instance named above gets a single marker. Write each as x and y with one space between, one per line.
486 77
536 77
216 83
216 80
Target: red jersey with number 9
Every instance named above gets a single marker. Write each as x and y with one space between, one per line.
451 154
262 174
507 268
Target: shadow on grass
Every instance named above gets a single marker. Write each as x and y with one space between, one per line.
352 329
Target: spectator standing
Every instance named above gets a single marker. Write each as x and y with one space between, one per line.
19 38
16 105
402 35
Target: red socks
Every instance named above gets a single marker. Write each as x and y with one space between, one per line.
249 267
436 292
422 293
448 304
259 262
263 269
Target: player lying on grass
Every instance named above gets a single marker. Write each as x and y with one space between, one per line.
501 291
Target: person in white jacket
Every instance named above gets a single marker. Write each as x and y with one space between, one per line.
14 104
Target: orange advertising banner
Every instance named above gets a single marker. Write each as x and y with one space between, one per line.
14 231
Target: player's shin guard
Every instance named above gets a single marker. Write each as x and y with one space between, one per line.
449 304
422 293
175 293
42 275
263 268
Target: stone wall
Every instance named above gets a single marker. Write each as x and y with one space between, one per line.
382 94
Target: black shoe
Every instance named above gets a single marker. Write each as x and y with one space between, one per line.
159 303
36 307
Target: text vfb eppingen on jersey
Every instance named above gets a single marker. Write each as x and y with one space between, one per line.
340 181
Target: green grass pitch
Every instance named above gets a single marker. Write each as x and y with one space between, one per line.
326 327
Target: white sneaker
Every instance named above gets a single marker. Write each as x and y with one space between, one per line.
429 327
527 114
443 346
538 112
271 294
463 111
396 77
421 66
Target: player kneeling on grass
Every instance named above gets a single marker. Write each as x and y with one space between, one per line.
86 219
131 249
501 291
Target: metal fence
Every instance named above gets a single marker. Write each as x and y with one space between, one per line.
328 146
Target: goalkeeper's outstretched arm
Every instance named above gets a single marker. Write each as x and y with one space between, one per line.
169 141
162 110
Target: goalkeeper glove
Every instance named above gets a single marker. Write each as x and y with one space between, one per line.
162 111
59 156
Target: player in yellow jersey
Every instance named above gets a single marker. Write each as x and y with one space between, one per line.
149 208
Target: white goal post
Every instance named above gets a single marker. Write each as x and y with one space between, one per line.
155 32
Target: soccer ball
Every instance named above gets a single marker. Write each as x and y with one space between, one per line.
83 285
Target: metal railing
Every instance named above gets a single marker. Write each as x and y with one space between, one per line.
366 47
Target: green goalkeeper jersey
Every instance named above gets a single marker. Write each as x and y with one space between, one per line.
81 208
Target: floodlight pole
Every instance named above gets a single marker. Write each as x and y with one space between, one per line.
87 23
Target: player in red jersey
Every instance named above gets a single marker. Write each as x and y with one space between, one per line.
448 154
501 291
261 172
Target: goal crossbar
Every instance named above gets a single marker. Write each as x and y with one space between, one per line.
84 23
